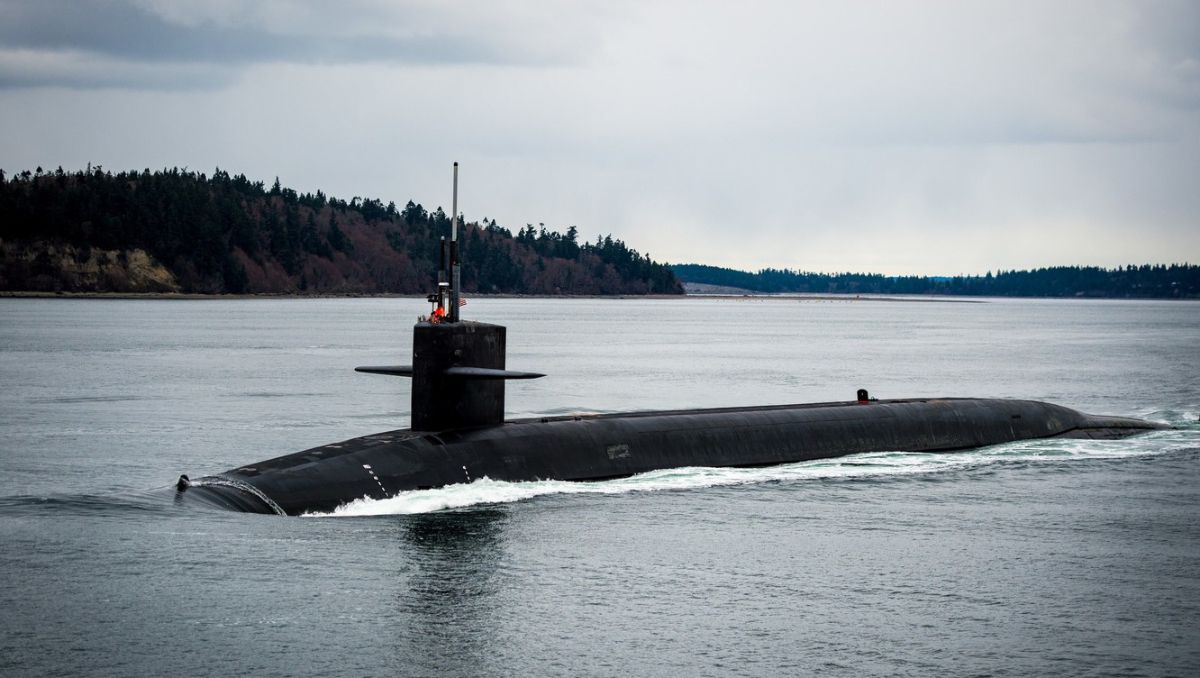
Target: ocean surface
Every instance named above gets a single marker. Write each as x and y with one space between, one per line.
1057 557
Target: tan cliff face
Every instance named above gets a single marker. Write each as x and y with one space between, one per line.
49 267
146 274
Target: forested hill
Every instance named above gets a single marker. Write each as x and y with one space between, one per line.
181 231
1158 281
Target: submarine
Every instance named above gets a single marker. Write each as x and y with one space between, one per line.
458 432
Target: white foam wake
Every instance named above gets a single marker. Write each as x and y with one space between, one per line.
871 465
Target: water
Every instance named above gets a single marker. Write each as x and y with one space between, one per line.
1040 557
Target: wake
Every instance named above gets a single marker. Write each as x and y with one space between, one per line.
875 465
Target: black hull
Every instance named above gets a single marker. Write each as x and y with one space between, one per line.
612 446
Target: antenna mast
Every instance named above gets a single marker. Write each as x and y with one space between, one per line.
455 271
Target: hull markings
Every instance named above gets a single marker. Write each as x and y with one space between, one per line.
377 481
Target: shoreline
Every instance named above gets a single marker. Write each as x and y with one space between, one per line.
843 298
181 296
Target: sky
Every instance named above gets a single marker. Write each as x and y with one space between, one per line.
902 137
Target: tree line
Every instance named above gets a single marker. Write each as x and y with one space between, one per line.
1159 281
221 233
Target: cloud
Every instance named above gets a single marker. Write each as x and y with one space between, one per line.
82 70
144 42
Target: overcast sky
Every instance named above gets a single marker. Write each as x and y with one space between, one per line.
894 137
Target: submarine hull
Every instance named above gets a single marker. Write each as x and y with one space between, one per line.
600 447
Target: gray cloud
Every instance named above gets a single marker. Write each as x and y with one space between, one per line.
126 31
144 43
23 68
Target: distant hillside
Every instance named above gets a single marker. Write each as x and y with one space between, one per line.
181 231
1146 281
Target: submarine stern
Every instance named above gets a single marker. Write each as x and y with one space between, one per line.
1098 427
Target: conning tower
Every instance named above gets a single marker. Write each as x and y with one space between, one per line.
457 366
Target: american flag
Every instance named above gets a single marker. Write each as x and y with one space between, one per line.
462 302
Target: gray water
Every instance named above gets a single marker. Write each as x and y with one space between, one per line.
1034 558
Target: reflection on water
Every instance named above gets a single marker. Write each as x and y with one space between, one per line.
449 595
